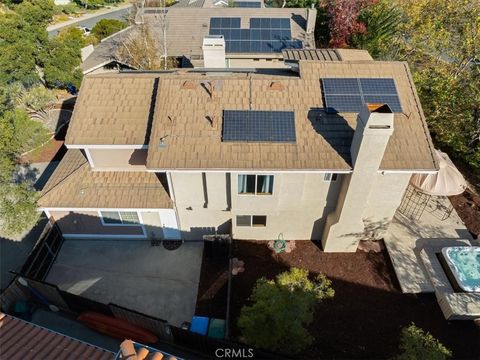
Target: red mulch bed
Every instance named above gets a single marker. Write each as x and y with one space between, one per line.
44 154
467 206
365 317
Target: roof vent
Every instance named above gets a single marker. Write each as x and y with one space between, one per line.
276 85
189 85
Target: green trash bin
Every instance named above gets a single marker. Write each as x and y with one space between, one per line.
217 329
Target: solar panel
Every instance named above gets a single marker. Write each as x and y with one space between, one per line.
265 35
349 94
247 4
341 86
258 126
378 86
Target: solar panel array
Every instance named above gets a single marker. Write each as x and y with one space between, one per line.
258 126
247 4
265 35
349 94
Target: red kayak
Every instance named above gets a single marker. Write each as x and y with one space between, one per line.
116 328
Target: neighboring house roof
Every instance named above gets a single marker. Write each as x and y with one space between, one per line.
73 184
322 140
112 112
186 27
23 340
104 53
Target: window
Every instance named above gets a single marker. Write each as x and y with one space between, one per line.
259 220
244 220
255 184
329 177
251 221
119 217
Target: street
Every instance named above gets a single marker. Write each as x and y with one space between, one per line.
90 20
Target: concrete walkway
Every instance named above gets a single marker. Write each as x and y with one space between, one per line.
132 274
406 238
89 20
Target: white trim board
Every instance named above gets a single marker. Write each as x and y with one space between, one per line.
101 209
106 147
250 171
97 236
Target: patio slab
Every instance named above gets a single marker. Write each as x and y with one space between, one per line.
406 238
132 274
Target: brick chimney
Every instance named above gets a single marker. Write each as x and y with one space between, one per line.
344 227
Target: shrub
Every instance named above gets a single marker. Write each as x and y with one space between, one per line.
35 98
107 27
416 344
281 310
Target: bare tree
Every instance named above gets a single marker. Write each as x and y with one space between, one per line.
143 48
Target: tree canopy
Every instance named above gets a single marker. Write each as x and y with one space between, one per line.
281 309
107 27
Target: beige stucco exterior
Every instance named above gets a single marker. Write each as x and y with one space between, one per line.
297 209
206 201
118 159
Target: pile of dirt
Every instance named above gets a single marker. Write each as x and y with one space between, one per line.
467 206
365 318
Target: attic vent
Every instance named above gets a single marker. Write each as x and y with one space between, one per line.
189 85
275 85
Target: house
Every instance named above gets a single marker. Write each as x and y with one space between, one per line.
249 38
23 340
323 151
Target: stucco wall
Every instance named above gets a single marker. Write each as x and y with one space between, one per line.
387 194
296 208
119 159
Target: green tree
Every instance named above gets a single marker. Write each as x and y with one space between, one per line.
18 133
60 63
416 344
21 133
441 39
36 12
18 208
382 21
107 27
282 309
19 44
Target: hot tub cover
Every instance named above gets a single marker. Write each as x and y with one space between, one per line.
447 181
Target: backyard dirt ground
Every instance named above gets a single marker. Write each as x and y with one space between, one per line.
467 206
365 318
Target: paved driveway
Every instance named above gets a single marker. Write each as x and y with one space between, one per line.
132 274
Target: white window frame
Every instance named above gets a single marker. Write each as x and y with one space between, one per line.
255 193
330 177
251 221
140 221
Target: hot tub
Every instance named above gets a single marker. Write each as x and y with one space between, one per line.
464 264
